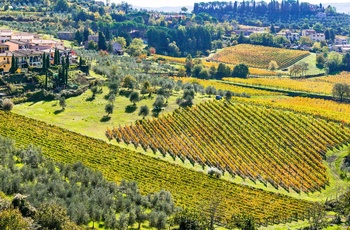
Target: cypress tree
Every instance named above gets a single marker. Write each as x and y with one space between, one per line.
66 71
48 61
16 64
102 45
13 64
67 60
46 80
44 61
57 57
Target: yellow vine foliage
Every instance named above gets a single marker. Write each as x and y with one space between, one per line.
278 147
259 56
331 110
312 85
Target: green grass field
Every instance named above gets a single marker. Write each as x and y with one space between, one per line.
311 60
85 116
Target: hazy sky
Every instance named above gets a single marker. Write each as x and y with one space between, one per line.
160 3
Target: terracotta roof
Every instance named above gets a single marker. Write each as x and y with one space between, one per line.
41 41
17 42
27 52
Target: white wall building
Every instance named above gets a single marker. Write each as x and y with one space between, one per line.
316 37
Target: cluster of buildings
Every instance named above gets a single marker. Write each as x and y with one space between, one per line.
27 49
340 43
68 35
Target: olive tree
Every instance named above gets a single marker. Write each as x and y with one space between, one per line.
7 105
109 109
134 97
144 111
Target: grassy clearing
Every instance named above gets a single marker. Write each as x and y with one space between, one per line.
85 116
311 60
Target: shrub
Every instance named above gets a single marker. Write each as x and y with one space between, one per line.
7 105
214 172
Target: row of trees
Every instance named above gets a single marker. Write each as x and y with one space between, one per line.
273 8
195 68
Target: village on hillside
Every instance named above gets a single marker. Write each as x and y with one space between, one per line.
27 48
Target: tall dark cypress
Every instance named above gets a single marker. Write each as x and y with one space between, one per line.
48 61
44 61
13 64
67 60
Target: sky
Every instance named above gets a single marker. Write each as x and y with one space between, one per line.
172 3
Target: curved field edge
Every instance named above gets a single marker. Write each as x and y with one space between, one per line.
190 189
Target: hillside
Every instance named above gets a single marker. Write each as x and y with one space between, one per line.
243 140
189 189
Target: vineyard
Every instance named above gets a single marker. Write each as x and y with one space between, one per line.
189 188
330 110
259 56
224 86
343 77
281 148
313 85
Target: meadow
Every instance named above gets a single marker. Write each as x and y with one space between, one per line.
87 116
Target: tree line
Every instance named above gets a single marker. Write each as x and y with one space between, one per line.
273 8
